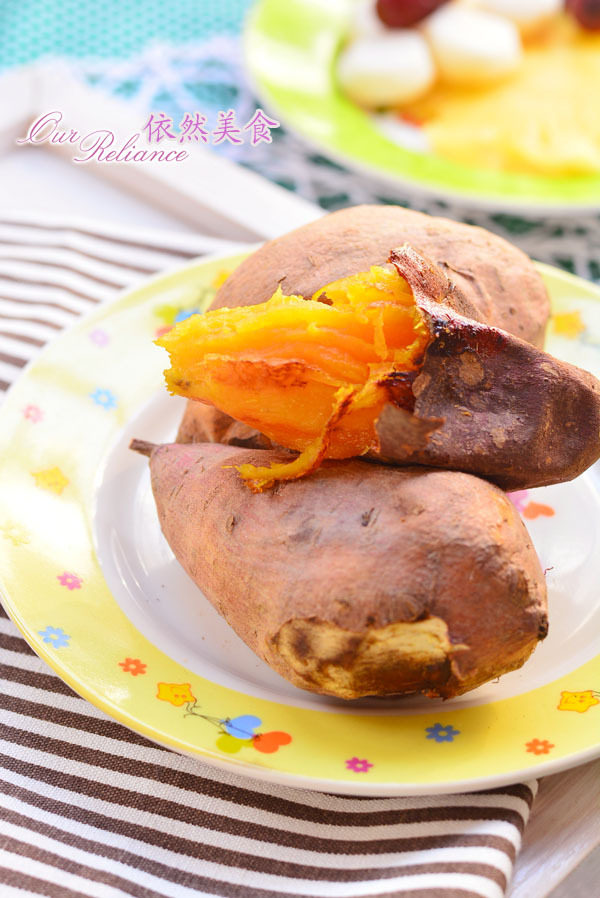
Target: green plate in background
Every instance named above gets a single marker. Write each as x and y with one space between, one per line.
290 50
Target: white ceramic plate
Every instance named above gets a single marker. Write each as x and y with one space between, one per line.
89 579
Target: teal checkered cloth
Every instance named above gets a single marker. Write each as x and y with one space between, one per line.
108 29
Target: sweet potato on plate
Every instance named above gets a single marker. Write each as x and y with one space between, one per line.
380 363
206 424
362 579
491 281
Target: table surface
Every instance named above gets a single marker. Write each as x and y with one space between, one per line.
560 857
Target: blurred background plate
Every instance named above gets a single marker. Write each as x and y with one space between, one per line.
291 50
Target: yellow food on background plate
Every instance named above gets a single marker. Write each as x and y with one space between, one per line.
505 86
542 120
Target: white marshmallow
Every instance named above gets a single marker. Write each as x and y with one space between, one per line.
471 46
386 70
526 14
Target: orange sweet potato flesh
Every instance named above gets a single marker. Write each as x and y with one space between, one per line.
311 375
379 363
361 579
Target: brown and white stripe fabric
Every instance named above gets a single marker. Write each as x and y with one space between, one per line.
89 809
54 269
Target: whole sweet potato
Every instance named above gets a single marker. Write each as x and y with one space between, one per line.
362 579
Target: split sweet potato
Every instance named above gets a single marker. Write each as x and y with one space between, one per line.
362 579
311 375
380 363
490 280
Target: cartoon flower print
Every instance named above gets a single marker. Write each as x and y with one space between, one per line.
99 337
51 479
231 744
133 666
358 765
177 694
267 743
104 398
539 746
529 509
535 510
568 324
71 581
172 315
234 733
33 413
183 314
14 532
442 733
578 701
519 499
241 727
220 278
55 636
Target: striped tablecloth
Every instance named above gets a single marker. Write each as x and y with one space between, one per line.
88 808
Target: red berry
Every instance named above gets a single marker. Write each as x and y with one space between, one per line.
404 13
587 13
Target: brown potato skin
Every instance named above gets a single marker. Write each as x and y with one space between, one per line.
207 424
492 281
498 406
485 401
350 554
481 278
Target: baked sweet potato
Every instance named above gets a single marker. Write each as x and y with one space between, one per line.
362 579
380 363
207 424
491 281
